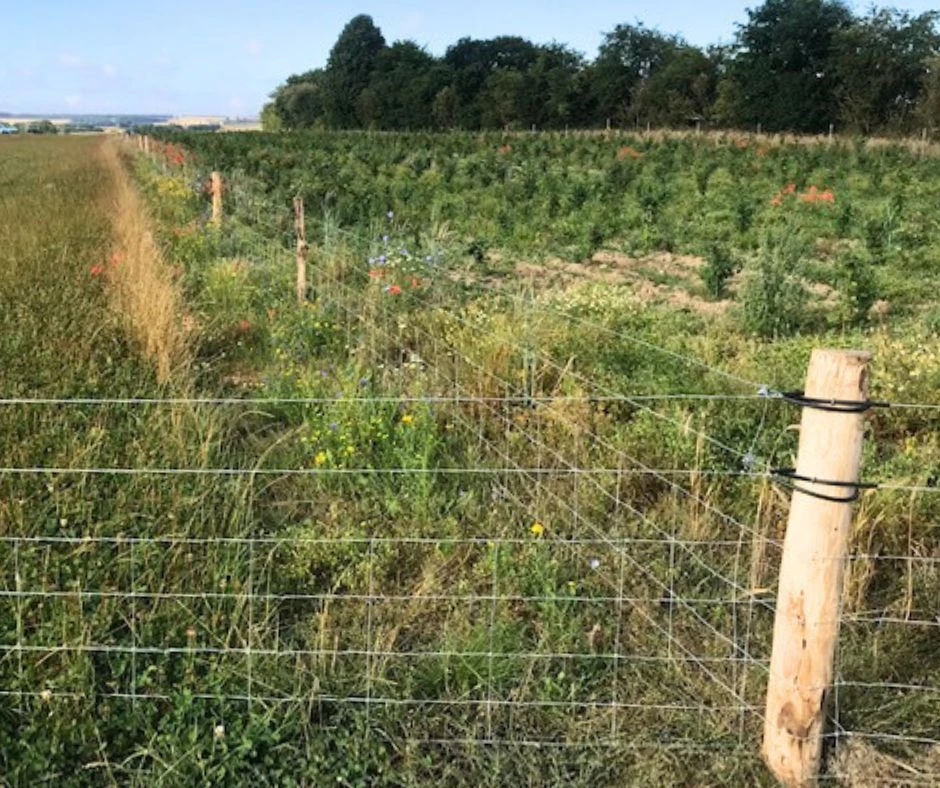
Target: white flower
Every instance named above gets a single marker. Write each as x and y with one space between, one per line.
219 731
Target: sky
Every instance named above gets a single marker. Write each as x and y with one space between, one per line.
223 57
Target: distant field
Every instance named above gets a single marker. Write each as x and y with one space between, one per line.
493 512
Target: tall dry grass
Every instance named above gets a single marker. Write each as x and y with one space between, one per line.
143 291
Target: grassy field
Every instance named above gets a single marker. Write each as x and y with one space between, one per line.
433 559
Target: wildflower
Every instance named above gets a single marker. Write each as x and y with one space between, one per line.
350 450
393 289
191 633
333 426
97 269
385 238
243 325
117 258
537 528
46 695
391 214
219 731
375 273
415 283
320 459
595 564
382 259
407 419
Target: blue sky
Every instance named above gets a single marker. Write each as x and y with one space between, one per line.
225 56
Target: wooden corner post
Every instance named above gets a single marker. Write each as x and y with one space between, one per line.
806 626
300 231
216 197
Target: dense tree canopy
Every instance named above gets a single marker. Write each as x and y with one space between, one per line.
795 65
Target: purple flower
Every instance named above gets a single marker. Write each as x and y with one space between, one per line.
333 426
382 260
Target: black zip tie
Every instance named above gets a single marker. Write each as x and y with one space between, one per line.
789 475
832 405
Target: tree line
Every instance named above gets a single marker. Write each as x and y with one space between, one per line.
795 65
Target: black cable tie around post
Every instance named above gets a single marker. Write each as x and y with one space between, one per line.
831 405
789 475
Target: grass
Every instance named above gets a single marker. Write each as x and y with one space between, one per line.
252 642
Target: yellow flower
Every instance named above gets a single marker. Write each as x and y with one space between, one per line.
320 459
407 419
350 450
537 528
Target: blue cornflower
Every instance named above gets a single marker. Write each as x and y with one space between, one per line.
382 260
333 426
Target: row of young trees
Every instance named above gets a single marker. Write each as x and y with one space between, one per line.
795 65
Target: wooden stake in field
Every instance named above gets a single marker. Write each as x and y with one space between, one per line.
216 197
301 232
806 626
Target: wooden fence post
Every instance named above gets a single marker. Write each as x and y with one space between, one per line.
301 232
806 624
216 197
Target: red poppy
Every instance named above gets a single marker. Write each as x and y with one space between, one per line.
394 289
244 325
97 269
376 273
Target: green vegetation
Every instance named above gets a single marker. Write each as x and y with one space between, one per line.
795 65
387 617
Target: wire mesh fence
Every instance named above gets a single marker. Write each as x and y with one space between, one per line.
468 532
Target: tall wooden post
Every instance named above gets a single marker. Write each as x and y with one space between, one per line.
216 197
301 232
806 626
